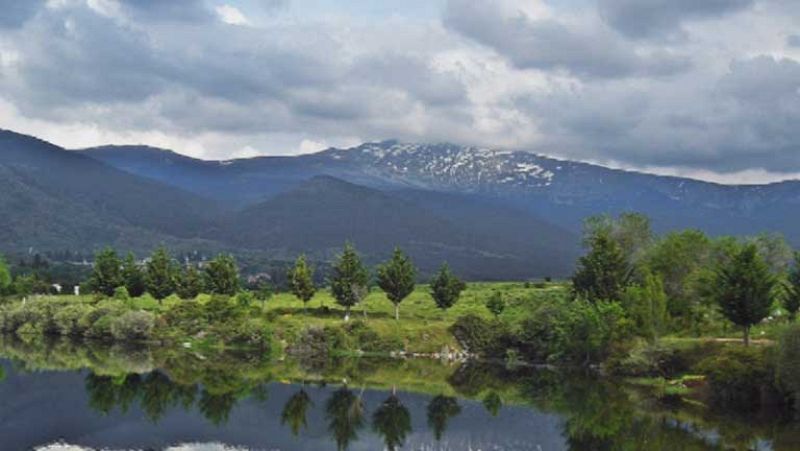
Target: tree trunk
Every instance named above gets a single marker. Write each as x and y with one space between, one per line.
397 312
747 335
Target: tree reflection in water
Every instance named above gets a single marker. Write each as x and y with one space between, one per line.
392 421
440 410
345 414
295 411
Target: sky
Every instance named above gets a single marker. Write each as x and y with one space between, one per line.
707 89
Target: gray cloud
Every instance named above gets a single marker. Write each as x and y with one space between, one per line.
649 18
793 40
548 44
168 10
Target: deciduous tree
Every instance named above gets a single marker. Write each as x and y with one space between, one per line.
348 279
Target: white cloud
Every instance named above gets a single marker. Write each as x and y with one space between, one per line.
231 15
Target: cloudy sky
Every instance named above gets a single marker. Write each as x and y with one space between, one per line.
703 88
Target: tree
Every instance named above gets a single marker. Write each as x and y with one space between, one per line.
190 283
743 289
106 272
495 304
345 414
295 411
222 275
348 279
133 277
603 273
392 421
396 278
631 231
791 297
264 292
301 280
160 274
5 276
440 410
646 305
446 288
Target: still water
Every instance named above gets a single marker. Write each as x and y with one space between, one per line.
74 396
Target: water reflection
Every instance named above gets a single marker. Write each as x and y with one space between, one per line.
84 393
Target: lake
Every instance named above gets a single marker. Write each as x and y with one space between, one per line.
64 396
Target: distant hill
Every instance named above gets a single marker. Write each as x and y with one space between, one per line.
490 214
561 192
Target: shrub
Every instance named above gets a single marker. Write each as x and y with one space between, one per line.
132 326
252 332
737 376
480 336
121 294
68 319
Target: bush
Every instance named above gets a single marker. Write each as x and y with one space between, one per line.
68 319
480 336
738 376
252 332
133 326
368 340
121 294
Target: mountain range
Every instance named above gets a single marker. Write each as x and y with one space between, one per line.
491 214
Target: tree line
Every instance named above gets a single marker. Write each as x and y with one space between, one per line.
682 279
161 276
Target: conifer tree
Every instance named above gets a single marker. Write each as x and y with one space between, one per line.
349 279
190 283
222 275
301 279
396 278
160 274
603 273
106 272
446 288
133 276
743 289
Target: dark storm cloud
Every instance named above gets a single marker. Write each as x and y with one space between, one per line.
663 18
550 45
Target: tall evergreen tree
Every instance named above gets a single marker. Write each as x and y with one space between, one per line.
440 410
189 284
295 411
161 273
396 278
349 279
603 273
106 272
446 288
744 288
133 276
392 421
222 275
301 279
791 298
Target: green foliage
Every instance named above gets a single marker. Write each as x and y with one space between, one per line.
603 273
481 336
133 276
646 306
788 363
245 299
743 289
737 376
349 279
106 272
5 277
446 288
302 281
264 292
295 411
222 275
440 410
189 284
496 304
631 232
344 412
396 278
68 320
392 421
791 297
133 326
121 294
160 274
